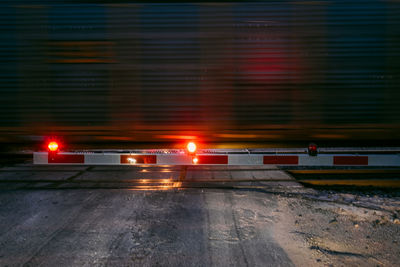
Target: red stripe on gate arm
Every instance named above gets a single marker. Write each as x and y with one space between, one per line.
205 159
350 160
281 160
65 158
138 159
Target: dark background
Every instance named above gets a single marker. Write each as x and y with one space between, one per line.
229 74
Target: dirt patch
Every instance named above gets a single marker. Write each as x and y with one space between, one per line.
317 232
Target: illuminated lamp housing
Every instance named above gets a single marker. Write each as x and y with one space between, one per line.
191 147
312 149
53 146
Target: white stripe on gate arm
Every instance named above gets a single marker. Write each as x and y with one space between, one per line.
40 158
102 159
171 159
384 160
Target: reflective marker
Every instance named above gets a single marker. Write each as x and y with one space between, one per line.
138 159
350 160
65 158
211 159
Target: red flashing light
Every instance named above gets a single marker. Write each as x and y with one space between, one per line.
53 146
195 160
312 149
191 147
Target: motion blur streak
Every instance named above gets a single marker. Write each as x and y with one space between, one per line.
277 71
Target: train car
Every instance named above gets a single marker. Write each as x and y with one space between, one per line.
273 71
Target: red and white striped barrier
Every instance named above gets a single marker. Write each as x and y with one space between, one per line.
166 157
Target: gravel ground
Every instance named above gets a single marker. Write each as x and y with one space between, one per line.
340 229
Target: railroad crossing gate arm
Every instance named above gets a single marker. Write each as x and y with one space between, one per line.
279 157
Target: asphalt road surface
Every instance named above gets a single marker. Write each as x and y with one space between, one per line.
167 216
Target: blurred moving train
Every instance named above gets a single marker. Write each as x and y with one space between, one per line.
272 71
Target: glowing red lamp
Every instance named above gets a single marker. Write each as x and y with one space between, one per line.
191 147
53 146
